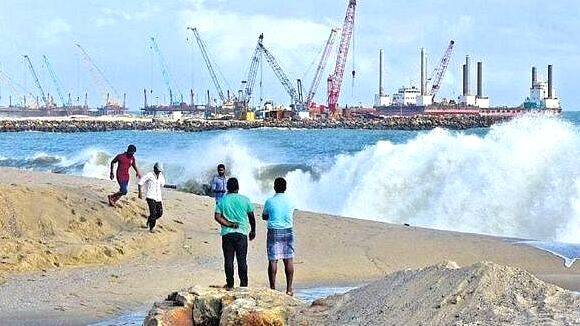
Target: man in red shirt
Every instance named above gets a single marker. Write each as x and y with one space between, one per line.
124 162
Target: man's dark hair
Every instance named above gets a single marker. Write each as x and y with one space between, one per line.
280 185
221 166
131 149
233 185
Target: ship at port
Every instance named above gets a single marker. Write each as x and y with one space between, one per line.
410 100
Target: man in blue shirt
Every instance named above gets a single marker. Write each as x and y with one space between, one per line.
218 183
279 212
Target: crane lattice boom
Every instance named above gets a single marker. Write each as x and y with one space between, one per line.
321 66
335 80
253 71
281 74
55 80
207 60
165 72
37 82
99 77
440 70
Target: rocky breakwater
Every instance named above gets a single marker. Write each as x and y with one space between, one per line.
215 306
421 122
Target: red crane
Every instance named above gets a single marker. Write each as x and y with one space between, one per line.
335 80
440 70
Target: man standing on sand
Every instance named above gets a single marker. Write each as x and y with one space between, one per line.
235 214
124 162
153 182
279 212
218 183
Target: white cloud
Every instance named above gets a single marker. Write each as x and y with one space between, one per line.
54 29
231 34
110 16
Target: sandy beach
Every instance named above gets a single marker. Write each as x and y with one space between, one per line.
68 258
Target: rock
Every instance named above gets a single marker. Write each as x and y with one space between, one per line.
214 306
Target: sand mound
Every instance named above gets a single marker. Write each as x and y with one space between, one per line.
47 226
482 294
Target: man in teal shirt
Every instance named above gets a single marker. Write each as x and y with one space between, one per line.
235 213
279 212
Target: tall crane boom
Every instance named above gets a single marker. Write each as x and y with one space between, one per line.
321 66
440 70
207 60
98 76
166 76
37 82
253 71
55 80
335 80
281 74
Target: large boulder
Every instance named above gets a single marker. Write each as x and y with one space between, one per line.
216 306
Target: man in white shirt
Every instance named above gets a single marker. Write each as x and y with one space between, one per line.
153 182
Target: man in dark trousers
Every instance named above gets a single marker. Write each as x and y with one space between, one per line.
235 214
153 183
124 162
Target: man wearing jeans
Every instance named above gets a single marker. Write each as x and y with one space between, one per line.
235 214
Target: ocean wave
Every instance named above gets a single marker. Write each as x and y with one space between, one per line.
521 179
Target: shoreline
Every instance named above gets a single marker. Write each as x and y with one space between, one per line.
86 124
187 252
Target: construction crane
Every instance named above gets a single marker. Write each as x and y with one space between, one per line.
283 78
37 82
204 53
321 66
55 81
99 78
253 71
16 88
166 76
335 80
439 72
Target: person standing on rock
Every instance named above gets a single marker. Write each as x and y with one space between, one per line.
218 183
124 162
235 214
153 182
279 212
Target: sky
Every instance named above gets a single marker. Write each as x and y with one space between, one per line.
509 37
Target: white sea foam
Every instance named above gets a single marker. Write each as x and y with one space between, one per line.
521 180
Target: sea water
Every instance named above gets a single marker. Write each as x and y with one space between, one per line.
517 179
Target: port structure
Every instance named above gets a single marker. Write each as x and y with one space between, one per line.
334 82
208 63
321 66
169 83
439 72
45 98
55 81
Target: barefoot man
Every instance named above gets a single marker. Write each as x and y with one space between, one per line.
235 213
279 212
124 162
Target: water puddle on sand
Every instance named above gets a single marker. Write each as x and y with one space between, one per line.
567 251
306 295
